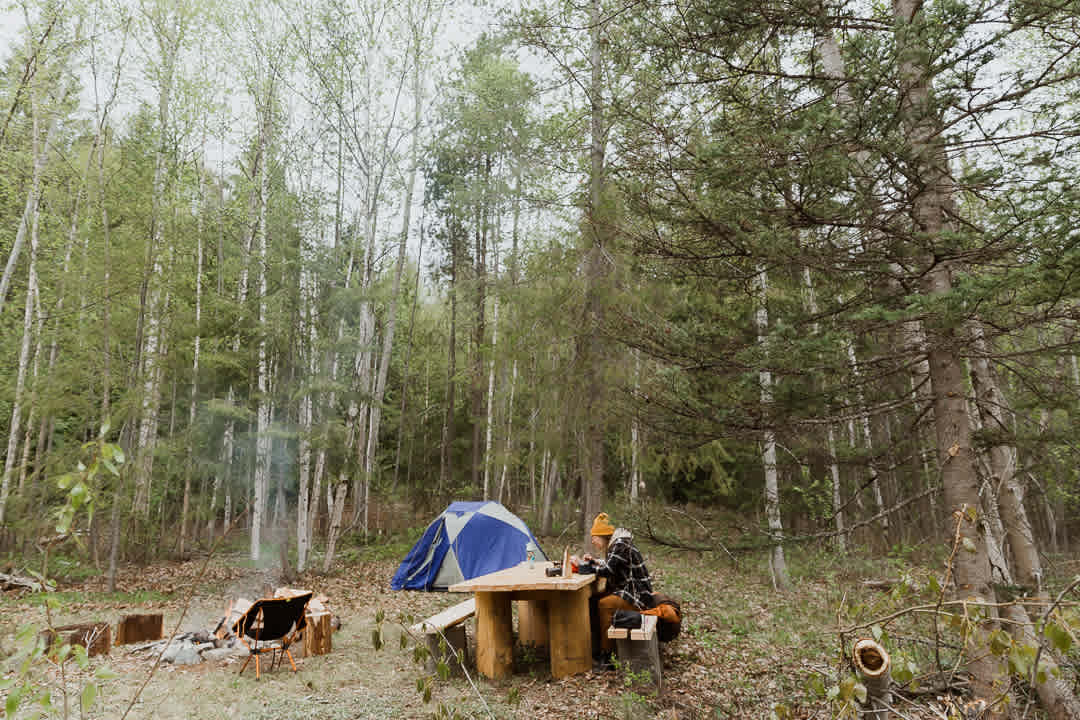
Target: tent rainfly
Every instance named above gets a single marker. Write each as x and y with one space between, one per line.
466 540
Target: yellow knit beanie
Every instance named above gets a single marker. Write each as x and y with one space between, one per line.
602 526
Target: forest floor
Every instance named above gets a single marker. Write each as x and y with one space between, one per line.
745 651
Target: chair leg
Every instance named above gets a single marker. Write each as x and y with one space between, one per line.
244 666
291 662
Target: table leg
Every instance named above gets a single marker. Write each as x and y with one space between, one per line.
533 623
494 634
571 637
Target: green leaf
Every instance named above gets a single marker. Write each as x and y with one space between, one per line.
104 672
875 630
89 694
1059 636
1019 662
403 641
859 691
78 495
969 545
1000 642
13 700
81 658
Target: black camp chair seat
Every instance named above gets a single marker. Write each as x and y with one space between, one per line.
272 624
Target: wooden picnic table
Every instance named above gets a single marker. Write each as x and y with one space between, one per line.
552 612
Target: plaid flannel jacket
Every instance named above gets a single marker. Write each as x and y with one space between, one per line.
625 571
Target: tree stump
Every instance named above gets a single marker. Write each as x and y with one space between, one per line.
95 637
318 638
139 628
872 664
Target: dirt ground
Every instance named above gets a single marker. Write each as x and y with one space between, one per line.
745 651
355 681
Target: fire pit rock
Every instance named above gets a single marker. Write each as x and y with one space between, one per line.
184 652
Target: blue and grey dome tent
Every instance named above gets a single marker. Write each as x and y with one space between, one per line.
467 540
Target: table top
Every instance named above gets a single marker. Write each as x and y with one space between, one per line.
522 577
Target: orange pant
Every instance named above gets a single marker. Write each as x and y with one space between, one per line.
605 611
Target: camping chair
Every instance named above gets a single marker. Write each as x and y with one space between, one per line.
270 620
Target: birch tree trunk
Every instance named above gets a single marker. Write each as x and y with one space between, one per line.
307 333
222 479
509 430
996 417
27 335
635 435
768 439
194 397
868 441
550 474
408 355
490 419
263 446
395 294
169 33
33 197
830 433
451 371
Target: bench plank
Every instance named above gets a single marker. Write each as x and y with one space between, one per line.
447 618
645 632
639 649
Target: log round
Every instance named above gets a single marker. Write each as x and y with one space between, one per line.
872 663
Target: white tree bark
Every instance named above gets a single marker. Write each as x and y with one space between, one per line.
194 396
303 509
489 421
768 439
27 337
995 416
509 446
169 32
830 432
371 453
263 446
635 435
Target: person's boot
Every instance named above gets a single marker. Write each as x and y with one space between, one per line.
606 661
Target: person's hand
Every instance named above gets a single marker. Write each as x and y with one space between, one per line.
574 560
589 558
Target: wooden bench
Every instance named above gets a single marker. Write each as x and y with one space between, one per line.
447 624
639 648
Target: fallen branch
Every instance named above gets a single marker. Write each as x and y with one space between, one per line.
17 582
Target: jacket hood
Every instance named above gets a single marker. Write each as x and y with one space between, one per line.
621 533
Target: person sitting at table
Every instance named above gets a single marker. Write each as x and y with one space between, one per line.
629 586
